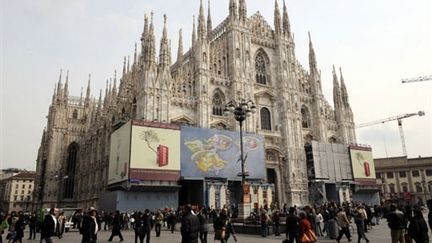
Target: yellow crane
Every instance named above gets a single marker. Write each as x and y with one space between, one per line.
399 120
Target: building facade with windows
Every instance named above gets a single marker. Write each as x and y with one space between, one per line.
243 57
405 180
17 190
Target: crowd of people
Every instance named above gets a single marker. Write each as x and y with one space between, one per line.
329 220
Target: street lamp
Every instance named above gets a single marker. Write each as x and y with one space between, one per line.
241 110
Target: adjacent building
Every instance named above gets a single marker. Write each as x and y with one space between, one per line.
16 192
243 57
405 180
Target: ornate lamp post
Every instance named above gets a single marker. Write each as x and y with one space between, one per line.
241 110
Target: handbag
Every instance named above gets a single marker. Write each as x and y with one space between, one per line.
308 237
220 234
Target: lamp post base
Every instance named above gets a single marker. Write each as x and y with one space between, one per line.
244 210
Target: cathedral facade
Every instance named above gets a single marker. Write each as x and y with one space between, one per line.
241 58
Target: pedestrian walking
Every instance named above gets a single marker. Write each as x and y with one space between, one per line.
32 226
359 220
172 220
49 226
223 227
344 224
190 226
116 227
203 219
89 227
418 229
159 218
61 227
147 225
305 228
276 221
292 226
397 223
4 225
264 223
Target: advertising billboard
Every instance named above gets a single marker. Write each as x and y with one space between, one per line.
362 164
118 170
216 153
155 151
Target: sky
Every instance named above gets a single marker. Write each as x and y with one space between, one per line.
377 43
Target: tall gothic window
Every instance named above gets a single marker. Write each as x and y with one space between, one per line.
306 123
265 119
69 176
260 68
218 103
75 114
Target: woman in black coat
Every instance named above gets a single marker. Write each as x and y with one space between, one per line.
19 228
417 228
89 227
116 227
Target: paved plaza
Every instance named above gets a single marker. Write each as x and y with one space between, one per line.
379 233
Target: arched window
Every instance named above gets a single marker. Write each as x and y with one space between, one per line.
332 140
305 117
75 114
260 68
69 176
218 103
265 119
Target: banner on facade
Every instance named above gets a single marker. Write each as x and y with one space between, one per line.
155 151
363 165
118 169
216 153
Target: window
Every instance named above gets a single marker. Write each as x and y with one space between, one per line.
16 191
29 186
392 188
415 173
260 67
29 192
419 187
23 186
70 170
218 103
22 198
404 187
305 117
390 175
378 175
265 119
402 174
16 186
15 198
22 192
75 114
429 172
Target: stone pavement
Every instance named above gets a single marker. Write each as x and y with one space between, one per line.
379 234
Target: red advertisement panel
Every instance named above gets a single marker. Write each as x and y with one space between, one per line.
162 155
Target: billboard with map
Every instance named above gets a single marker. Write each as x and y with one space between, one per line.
216 153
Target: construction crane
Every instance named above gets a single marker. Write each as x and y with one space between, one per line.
399 120
417 79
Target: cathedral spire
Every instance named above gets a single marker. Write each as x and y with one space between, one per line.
242 10
99 107
180 46
193 32
59 84
114 89
233 10
336 91
312 57
135 54
66 87
124 65
209 21
144 39
152 43
277 19
343 90
164 55
54 94
285 20
202 32
127 66
87 98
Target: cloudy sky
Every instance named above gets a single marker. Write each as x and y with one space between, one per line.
377 43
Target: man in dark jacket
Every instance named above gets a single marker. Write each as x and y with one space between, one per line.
292 226
32 226
89 227
397 223
116 227
49 227
429 203
190 226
